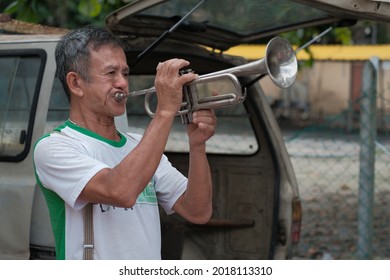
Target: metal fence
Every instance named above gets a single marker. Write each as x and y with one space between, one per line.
344 179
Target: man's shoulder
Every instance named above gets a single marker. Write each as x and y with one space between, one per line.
61 136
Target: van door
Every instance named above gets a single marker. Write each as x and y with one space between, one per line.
21 74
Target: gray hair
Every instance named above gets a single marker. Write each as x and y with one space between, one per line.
73 51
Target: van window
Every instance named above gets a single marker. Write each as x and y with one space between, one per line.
234 129
20 77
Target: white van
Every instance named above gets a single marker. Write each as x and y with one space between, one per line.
257 210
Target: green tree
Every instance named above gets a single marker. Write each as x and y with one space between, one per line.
67 14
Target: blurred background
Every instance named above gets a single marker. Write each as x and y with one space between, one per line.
335 120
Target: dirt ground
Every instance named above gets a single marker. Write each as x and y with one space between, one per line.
330 227
327 169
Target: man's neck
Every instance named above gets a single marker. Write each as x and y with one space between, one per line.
105 127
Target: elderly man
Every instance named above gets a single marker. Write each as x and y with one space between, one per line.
123 176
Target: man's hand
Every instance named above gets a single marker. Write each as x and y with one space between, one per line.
169 85
202 128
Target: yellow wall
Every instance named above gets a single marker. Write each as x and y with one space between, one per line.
321 52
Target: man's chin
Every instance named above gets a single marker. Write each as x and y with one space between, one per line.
119 113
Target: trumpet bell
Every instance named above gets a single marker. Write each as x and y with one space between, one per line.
281 62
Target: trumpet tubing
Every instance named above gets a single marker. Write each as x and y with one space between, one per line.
279 63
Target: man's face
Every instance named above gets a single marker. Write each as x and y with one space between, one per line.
108 72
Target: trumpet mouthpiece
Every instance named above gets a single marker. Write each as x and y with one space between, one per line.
119 96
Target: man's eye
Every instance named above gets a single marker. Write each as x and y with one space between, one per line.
110 73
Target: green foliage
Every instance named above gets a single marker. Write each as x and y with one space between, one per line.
89 8
27 10
343 35
67 14
340 35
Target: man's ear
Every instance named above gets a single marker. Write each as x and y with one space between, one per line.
75 83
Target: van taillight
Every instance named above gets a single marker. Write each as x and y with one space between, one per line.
296 221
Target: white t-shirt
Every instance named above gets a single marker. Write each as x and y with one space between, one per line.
66 161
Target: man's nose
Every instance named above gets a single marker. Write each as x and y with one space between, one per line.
122 81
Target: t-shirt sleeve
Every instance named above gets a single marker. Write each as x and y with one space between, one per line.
63 168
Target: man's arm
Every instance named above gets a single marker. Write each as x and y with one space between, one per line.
121 185
195 204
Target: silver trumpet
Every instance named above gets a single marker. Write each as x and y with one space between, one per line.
279 62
